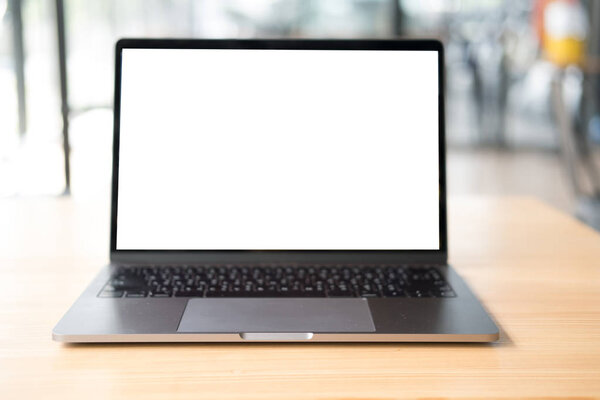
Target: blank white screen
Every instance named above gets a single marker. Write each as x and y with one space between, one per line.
278 149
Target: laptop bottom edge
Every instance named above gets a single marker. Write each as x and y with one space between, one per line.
301 337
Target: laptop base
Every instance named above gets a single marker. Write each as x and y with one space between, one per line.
96 320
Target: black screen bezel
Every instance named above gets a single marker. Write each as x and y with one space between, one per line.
252 256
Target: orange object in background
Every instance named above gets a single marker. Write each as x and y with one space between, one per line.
562 28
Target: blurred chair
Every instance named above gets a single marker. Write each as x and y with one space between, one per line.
564 45
577 155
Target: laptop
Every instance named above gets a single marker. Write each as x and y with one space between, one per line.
278 190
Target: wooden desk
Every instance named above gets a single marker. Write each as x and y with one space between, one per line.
536 270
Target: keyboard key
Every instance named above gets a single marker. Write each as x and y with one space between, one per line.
189 293
136 293
393 291
340 293
368 294
418 293
160 294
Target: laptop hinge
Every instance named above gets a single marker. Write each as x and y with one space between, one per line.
299 257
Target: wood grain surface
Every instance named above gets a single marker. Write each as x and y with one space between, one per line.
536 270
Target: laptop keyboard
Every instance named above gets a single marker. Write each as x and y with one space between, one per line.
277 281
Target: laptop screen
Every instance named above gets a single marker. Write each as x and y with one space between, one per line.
278 150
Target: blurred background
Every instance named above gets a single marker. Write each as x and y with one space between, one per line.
523 93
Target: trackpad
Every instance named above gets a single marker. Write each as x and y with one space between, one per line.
226 315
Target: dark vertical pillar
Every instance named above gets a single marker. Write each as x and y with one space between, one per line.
398 18
15 7
62 64
591 87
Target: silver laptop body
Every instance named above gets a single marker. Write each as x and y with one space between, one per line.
278 190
